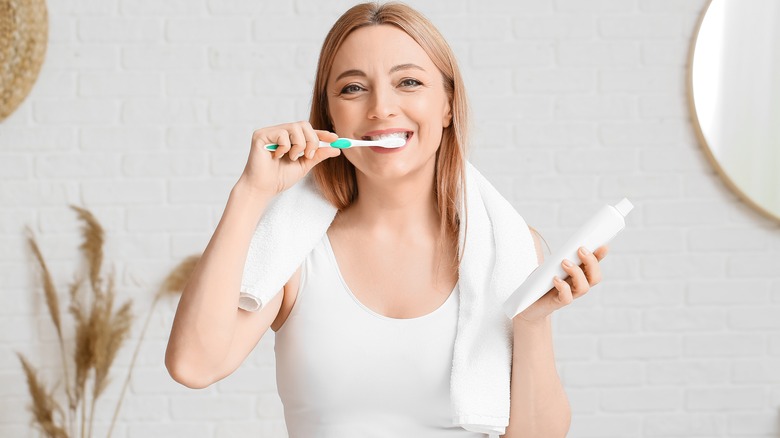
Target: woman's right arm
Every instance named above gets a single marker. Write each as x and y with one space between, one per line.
209 331
211 336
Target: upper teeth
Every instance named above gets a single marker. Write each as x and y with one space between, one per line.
403 135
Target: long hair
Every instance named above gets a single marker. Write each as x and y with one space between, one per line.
335 177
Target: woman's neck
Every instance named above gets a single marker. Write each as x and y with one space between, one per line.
404 208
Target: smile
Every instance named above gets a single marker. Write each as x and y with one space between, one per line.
399 134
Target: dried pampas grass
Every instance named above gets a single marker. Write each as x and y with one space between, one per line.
44 405
175 281
101 329
49 291
92 245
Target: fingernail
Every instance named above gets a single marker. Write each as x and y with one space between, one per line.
311 153
567 263
584 251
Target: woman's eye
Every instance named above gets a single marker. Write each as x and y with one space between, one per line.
351 88
410 83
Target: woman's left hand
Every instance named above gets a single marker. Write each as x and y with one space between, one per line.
581 279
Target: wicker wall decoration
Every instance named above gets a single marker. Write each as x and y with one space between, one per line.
24 31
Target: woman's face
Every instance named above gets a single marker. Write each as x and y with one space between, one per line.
383 83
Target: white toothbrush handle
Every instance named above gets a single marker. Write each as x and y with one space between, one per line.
355 143
273 146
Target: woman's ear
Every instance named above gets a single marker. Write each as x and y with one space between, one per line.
447 117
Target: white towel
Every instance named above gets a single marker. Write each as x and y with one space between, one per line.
499 255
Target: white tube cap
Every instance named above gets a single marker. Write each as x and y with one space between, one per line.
624 206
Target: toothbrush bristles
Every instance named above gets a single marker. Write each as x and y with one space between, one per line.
395 142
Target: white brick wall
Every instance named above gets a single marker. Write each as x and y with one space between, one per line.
143 112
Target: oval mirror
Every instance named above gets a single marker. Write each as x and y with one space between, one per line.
734 85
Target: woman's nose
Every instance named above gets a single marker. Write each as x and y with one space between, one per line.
382 104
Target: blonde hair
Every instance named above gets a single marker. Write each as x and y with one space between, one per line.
335 177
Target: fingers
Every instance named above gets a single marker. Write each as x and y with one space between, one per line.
312 141
577 280
583 277
281 138
296 140
327 136
601 252
590 266
565 295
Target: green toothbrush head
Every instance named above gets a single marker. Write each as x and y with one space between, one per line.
341 143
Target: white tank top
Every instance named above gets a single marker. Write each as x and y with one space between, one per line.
343 370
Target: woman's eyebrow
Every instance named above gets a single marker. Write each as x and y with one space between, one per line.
355 72
406 67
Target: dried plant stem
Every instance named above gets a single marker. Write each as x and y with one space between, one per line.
68 412
132 364
83 414
92 416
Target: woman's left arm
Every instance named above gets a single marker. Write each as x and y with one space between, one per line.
539 407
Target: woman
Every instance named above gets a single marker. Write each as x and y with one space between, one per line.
392 249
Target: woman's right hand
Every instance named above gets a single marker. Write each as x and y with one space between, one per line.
272 172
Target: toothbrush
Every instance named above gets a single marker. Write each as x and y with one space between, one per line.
346 143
